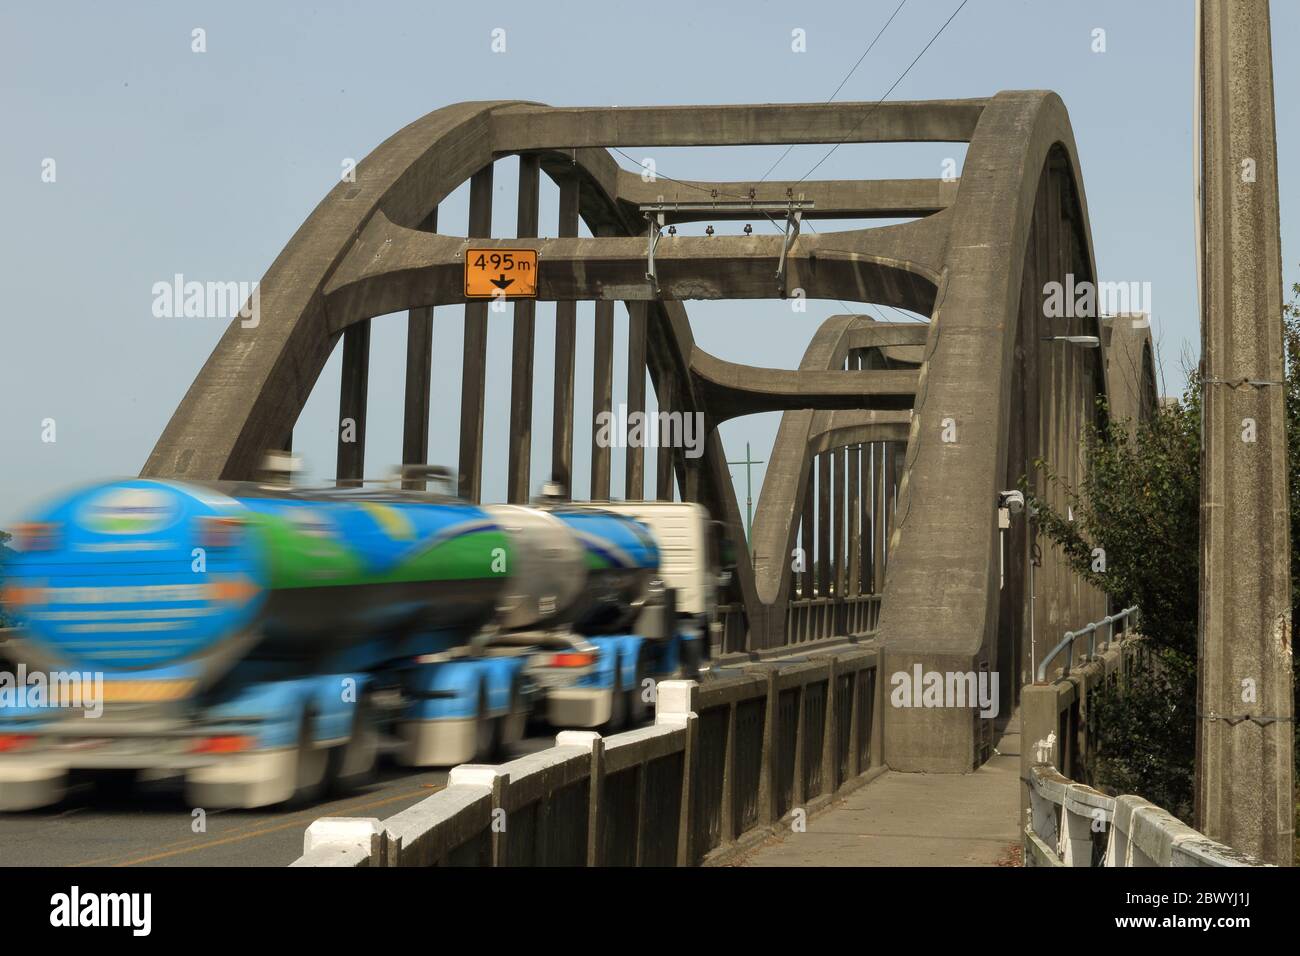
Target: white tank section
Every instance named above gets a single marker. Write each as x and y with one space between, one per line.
686 561
549 570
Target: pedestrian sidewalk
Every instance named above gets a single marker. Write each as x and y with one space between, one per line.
916 819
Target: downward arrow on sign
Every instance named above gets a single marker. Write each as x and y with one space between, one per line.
503 282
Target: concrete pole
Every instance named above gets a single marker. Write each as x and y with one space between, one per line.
1244 733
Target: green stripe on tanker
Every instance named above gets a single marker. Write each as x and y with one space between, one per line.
296 559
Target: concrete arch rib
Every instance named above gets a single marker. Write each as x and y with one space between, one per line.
941 598
776 519
249 392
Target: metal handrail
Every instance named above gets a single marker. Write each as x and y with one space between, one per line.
1109 621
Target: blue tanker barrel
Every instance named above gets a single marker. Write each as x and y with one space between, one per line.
622 558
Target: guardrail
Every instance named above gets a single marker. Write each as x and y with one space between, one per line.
806 620
1071 824
724 763
734 630
811 619
1109 621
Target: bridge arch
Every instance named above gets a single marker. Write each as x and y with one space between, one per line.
974 260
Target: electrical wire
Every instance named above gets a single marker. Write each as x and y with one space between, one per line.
876 104
763 178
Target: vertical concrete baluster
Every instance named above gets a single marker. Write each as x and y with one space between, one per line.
474 369
566 331
522 345
419 379
353 389
634 479
602 397
664 453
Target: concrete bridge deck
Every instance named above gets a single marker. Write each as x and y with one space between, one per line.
916 819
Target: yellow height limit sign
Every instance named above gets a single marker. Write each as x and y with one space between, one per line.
501 273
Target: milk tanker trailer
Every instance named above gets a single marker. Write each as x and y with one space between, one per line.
267 641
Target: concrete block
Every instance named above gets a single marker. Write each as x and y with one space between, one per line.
340 831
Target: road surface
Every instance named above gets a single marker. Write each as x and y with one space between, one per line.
153 826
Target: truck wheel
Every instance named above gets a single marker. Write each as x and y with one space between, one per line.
309 778
691 658
638 709
617 701
510 724
485 734
353 765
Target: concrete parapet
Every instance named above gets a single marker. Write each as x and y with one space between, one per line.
724 762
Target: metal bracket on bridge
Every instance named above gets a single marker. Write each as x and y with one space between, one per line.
793 216
656 231
791 208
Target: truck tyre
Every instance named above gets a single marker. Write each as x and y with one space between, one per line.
353 765
312 762
617 701
485 730
510 724
638 708
692 657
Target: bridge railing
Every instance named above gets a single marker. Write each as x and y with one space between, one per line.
723 765
1123 618
812 619
735 633
806 620
1072 824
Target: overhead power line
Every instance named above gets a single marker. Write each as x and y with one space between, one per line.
891 89
842 82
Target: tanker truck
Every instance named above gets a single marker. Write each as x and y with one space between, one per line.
267 641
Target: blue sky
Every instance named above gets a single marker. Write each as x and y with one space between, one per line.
170 161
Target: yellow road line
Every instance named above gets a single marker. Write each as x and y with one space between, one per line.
192 846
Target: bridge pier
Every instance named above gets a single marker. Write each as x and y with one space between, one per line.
920 738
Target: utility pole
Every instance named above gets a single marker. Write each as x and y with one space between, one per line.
1245 706
749 495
